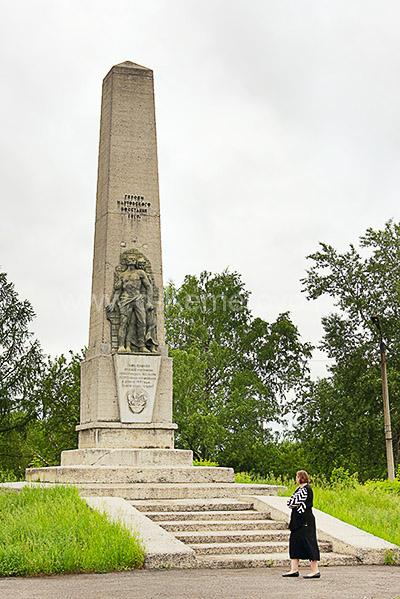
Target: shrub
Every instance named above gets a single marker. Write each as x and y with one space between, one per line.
243 478
341 477
7 476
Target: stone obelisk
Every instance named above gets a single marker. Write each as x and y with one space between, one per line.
126 433
126 398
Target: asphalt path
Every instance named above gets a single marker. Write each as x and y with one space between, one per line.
351 582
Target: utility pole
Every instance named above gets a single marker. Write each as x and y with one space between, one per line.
386 406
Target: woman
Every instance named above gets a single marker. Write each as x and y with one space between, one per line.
303 537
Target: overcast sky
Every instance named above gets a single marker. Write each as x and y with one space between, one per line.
278 127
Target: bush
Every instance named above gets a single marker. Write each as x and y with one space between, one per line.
243 478
7 476
53 531
341 477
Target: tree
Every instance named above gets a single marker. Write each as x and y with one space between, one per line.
39 397
21 369
41 440
232 372
340 418
54 430
21 360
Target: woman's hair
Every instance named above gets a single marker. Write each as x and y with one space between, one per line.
302 477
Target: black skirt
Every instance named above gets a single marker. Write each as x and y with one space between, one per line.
303 540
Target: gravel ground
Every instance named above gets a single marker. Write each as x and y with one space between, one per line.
353 582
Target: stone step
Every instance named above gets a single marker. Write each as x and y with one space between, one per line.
193 505
130 474
224 525
236 536
269 560
127 457
249 548
160 516
155 491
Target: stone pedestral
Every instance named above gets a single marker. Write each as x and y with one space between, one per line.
109 435
127 457
105 467
133 407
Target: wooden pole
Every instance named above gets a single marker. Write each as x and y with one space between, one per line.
386 414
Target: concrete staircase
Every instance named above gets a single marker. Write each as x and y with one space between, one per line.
230 533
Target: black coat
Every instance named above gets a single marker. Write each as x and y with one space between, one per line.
303 535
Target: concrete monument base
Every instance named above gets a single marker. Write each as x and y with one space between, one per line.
126 388
125 466
127 457
120 435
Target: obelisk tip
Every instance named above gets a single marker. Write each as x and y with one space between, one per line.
128 64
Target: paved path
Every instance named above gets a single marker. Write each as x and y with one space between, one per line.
354 582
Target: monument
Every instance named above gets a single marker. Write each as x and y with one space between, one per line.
126 433
127 376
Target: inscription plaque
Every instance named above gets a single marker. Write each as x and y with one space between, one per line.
134 206
137 378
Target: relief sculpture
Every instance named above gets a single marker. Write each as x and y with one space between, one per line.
132 310
137 399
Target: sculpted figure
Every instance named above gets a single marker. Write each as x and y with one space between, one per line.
151 325
133 298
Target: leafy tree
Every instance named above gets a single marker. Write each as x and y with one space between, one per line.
39 397
21 360
232 372
59 410
340 418
41 440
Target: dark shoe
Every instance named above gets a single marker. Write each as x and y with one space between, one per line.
290 574
317 575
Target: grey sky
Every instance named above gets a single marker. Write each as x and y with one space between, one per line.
278 126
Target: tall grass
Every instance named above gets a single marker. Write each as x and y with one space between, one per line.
52 531
372 510
374 506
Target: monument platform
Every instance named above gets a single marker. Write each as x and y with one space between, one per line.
165 491
130 474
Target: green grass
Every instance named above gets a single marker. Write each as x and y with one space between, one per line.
206 463
374 507
373 510
53 531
